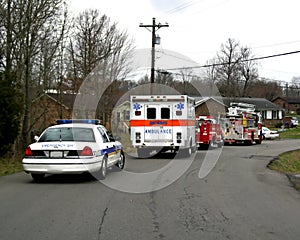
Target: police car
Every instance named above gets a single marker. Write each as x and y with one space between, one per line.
73 146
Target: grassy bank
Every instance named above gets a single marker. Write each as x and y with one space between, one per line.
288 163
8 166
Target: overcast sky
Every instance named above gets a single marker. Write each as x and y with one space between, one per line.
197 28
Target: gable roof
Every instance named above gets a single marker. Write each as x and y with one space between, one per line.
292 100
200 100
260 103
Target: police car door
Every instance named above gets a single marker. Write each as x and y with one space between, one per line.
109 145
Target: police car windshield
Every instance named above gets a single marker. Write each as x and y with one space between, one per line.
68 134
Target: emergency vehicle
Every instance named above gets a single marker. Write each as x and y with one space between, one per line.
208 132
159 123
241 124
73 146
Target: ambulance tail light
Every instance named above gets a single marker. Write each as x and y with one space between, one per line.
179 137
138 137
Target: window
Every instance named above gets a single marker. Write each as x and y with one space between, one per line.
126 115
103 135
68 134
274 114
151 113
165 113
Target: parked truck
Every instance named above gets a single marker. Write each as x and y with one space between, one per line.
208 132
241 124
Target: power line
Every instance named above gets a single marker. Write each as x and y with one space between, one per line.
181 7
245 60
276 44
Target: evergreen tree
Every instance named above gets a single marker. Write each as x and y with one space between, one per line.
10 114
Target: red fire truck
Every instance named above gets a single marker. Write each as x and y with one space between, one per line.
241 124
208 132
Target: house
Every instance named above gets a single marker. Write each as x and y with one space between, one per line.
45 109
209 106
49 106
121 118
289 104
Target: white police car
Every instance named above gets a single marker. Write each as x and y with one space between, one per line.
73 146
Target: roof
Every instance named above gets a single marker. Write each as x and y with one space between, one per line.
260 103
201 100
289 99
86 101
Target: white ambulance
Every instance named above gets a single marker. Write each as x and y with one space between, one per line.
159 123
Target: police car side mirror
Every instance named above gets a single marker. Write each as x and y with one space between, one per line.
36 138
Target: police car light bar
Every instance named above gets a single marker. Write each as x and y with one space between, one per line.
90 121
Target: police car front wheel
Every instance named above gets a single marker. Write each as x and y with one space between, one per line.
121 163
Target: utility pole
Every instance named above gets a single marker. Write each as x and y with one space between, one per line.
155 40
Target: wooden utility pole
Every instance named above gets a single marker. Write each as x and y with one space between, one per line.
154 27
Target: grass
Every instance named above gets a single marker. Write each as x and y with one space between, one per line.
291 133
8 166
288 162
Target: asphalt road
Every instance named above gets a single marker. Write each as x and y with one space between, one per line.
239 199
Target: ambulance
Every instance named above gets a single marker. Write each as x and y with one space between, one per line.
159 123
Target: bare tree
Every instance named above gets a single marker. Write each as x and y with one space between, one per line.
228 67
294 87
96 41
233 69
98 54
248 69
27 26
